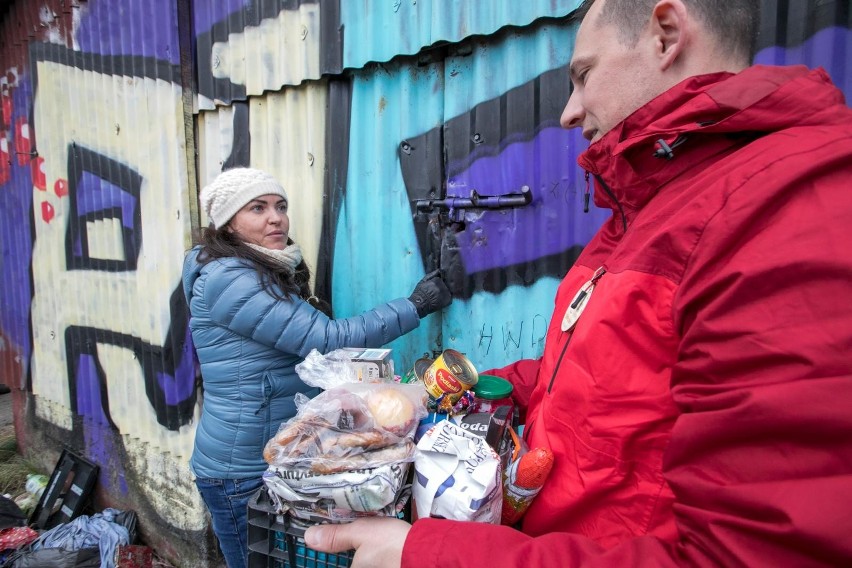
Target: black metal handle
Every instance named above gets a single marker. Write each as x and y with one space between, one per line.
475 201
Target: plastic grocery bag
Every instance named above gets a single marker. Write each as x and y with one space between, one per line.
456 476
339 497
327 371
356 426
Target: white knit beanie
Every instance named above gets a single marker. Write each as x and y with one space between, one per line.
232 189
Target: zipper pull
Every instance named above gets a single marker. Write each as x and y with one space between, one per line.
580 300
586 195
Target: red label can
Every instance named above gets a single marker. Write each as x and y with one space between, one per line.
451 373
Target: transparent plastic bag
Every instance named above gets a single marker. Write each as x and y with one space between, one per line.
327 371
356 426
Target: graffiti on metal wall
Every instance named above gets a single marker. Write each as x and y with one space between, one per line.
111 349
487 153
94 215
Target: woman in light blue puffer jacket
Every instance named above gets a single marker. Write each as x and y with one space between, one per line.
253 318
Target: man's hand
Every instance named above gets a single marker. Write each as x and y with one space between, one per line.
377 542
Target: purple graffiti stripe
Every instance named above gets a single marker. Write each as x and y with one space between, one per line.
89 403
102 449
551 224
206 13
181 386
830 48
104 29
94 194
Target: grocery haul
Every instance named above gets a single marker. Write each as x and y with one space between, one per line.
377 444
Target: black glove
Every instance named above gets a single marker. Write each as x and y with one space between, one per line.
431 294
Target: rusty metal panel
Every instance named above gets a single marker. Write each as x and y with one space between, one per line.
248 48
22 23
378 30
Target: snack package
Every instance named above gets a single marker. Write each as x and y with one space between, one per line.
352 427
339 497
495 427
456 476
523 479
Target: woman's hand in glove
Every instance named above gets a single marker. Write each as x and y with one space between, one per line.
431 294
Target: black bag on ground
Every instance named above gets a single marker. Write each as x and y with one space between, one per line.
10 514
59 558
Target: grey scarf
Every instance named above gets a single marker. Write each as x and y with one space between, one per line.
289 258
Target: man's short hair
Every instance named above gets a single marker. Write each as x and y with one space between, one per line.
734 22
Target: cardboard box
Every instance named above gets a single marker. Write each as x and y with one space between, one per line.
372 364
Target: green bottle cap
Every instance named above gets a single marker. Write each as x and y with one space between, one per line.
492 388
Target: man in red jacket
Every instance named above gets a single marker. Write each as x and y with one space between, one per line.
696 379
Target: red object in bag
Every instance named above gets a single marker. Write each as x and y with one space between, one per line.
523 479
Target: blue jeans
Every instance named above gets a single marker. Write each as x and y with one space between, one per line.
227 500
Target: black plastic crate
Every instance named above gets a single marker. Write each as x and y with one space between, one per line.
277 541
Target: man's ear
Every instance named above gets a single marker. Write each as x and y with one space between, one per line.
670 31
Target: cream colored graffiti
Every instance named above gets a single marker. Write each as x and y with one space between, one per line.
287 132
280 51
137 122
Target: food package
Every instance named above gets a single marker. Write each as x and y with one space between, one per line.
371 365
523 479
344 366
456 476
339 497
352 427
495 427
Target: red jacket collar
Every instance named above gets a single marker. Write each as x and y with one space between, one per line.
697 118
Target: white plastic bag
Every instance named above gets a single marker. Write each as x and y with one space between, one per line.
457 476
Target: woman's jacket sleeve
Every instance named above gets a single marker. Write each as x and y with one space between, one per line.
237 301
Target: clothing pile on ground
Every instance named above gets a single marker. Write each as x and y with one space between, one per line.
85 541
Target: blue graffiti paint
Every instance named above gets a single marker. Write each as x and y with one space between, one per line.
830 48
548 165
95 193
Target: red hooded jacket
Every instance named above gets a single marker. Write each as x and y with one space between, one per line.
700 411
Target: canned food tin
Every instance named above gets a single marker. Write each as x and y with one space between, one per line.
415 374
451 373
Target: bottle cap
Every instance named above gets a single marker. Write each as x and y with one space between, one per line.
492 388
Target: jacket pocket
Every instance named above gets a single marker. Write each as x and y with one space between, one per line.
264 411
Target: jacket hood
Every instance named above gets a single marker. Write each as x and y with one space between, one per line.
699 118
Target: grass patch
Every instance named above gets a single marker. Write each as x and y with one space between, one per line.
14 468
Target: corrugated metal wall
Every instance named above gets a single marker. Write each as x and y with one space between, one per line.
113 113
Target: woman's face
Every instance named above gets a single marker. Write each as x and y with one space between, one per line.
263 221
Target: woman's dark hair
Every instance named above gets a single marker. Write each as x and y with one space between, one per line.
277 282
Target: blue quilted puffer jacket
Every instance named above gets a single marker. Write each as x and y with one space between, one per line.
248 344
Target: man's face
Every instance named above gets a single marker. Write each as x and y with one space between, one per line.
610 79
